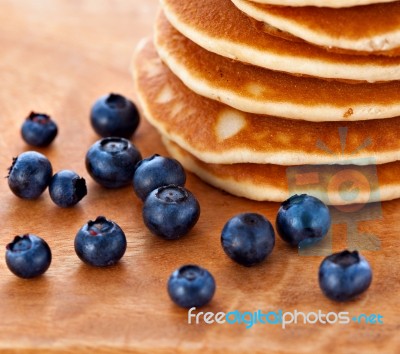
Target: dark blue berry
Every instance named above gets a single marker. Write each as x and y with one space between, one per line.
157 171
303 220
67 188
344 275
248 238
114 115
39 130
191 286
170 212
100 243
111 162
29 175
28 256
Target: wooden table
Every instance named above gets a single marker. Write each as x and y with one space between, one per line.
58 57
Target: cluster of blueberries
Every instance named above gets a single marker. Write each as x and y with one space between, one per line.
169 210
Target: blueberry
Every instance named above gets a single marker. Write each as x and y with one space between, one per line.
114 115
29 175
39 130
170 212
191 286
344 275
303 220
111 162
157 171
100 243
67 188
28 256
248 238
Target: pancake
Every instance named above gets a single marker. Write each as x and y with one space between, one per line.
216 133
370 28
232 34
262 91
333 184
322 3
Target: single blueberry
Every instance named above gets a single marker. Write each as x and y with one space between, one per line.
28 256
114 115
100 243
170 212
157 171
248 238
191 286
39 130
111 162
303 220
344 275
67 188
29 175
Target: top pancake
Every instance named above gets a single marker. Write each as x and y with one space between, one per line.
256 90
322 3
371 28
232 34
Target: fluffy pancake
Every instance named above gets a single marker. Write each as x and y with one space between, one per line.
322 3
333 184
262 91
216 133
232 34
371 28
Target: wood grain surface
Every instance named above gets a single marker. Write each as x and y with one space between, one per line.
58 56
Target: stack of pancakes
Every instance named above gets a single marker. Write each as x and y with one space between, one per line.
265 101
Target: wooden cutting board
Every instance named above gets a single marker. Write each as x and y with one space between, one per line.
58 57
